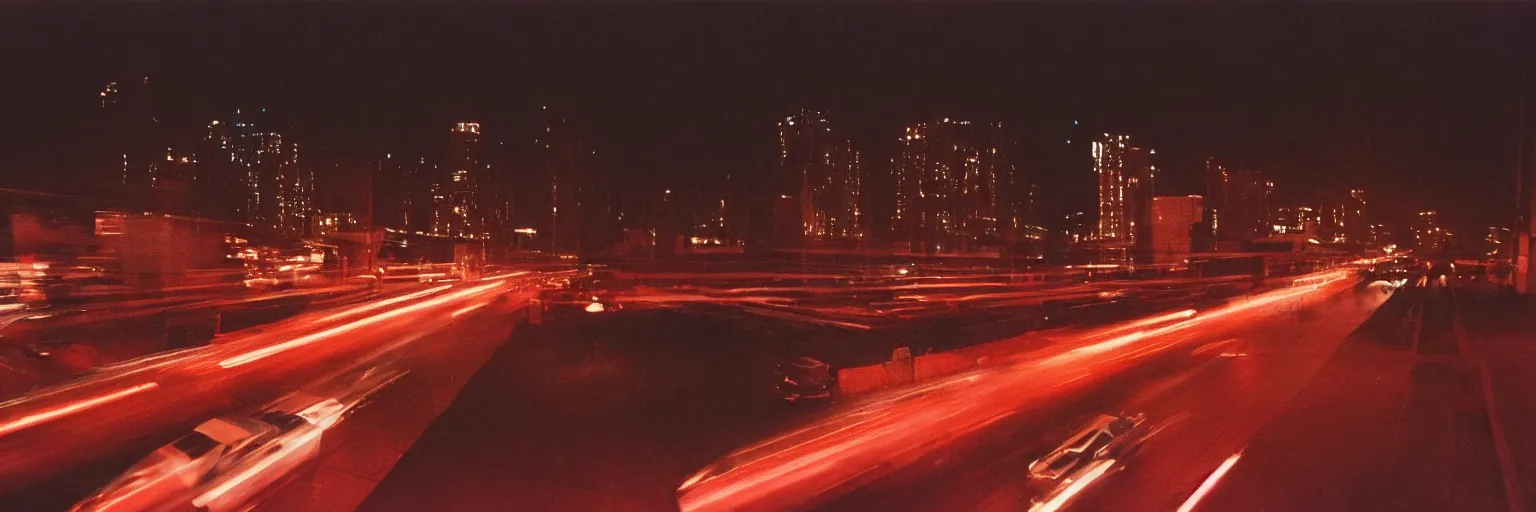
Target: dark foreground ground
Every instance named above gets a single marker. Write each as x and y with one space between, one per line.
608 414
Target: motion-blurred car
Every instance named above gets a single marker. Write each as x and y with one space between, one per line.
228 463
804 378
1102 438
570 301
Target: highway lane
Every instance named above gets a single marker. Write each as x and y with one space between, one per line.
46 346
49 432
1358 404
904 428
1216 406
1386 425
1211 395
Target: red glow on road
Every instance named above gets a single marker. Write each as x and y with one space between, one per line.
270 350
1151 321
1209 483
386 302
503 277
71 408
1089 476
886 432
467 310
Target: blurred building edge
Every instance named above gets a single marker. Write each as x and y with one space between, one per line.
155 251
1176 221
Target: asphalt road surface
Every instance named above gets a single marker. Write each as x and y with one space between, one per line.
607 413
1353 406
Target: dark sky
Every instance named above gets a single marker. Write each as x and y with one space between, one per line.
1415 103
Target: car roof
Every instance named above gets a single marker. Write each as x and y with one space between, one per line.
225 431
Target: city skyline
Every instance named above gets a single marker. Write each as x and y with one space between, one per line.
951 190
348 100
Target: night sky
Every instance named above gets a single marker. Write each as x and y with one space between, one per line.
1415 103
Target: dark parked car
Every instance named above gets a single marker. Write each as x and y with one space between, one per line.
804 378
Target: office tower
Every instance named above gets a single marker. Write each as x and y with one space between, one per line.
1429 235
1238 204
947 177
820 169
1357 227
461 215
275 194
1126 178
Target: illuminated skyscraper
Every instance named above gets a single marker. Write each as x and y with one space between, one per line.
1126 177
1429 235
461 215
1216 176
1109 166
947 197
1332 222
275 193
820 170
1357 227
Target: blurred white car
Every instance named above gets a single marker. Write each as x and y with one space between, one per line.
1096 441
228 463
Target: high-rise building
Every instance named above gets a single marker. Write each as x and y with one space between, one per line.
466 166
947 193
275 194
1238 204
821 170
1173 219
1429 235
1126 177
1216 176
1357 227
130 143
1332 220
561 196
218 187
402 189
1292 220
1110 168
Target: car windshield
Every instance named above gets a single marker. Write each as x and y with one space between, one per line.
766 255
195 444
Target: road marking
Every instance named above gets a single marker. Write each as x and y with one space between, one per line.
1209 483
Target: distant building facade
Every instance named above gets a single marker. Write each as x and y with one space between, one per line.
820 169
1357 226
249 160
1429 235
1173 219
1126 187
947 181
460 214
1237 204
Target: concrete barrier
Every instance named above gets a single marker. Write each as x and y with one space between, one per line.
861 379
938 365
